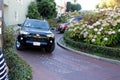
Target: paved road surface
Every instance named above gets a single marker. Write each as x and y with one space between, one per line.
66 65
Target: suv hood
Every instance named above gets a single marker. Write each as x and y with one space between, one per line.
32 30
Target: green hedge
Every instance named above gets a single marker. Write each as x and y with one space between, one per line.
93 49
18 68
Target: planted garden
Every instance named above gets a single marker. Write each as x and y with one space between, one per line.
98 33
18 67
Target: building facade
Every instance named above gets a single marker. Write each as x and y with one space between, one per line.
1 18
15 11
61 6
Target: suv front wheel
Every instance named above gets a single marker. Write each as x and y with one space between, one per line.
50 48
19 45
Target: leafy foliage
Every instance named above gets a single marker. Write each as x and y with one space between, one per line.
47 8
8 37
101 31
109 4
52 22
68 7
66 16
33 11
108 52
73 7
18 68
76 7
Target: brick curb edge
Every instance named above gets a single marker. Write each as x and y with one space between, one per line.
61 43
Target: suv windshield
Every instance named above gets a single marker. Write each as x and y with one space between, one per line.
36 24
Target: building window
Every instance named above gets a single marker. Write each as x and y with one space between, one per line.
16 16
20 1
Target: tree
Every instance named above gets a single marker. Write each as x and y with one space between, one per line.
73 7
47 8
102 5
109 4
75 1
76 7
33 11
68 6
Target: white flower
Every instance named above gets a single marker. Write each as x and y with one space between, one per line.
86 22
105 39
90 27
98 32
90 36
118 30
86 32
105 24
81 32
95 29
93 40
104 21
118 20
85 35
118 14
114 23
112 14
83 26
85 29
109 32
100 29
95 36
100 20
113 32
98 23
119 10
110 21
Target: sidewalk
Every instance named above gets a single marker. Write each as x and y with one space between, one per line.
61 43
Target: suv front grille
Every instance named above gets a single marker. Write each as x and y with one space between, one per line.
38 39
41 35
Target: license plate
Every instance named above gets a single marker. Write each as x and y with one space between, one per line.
36 43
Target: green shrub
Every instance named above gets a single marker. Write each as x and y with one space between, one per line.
52 22
33 11
64 17
18 68
98 31
8 37
93 49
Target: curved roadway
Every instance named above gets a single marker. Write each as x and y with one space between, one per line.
67 65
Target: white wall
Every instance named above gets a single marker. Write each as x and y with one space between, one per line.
15 11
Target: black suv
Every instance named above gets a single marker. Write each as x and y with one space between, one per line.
35 33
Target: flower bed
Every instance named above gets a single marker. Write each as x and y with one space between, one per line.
19 69
109 52
100 34
103 32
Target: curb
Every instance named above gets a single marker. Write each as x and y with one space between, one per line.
61 43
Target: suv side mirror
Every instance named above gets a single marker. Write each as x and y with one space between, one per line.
19 24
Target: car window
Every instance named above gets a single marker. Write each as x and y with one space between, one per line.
36 24
74 19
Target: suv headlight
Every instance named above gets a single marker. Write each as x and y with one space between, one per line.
50 35
23 32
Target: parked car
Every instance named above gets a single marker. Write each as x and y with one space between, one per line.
62 27
35 33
